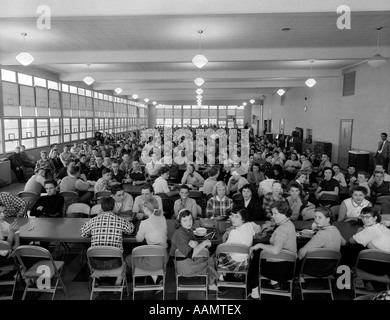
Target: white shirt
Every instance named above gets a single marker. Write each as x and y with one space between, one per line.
243 235
265 186
354 209
160 185
377 235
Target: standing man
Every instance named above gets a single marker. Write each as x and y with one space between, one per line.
382 155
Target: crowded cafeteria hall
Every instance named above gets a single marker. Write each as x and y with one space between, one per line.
194 150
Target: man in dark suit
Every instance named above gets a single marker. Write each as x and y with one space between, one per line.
382 155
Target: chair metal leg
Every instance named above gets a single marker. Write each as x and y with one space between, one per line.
330 289
25 289
63 286
92 289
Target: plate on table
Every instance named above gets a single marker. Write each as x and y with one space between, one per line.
211 233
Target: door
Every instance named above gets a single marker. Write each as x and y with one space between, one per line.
345 141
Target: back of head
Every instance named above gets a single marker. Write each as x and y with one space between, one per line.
107 204
152 205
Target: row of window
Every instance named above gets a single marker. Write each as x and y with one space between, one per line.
28 80
230 123
35 133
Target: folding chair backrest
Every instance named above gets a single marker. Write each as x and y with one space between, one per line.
95 210
381 199
204 253
335 210
30 197
29 251
4 245
149 251
374 255
78 210
104 252
232 248
325 261
323 253
237 197
69 194
103 194
195 194
329 197
284 255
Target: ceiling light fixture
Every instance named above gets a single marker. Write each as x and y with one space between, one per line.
118 90
281 92
311 82
377 60
24 57
200 60
244 104
135 96
146 100
199 81
199 91
252 101
154 103
88 79
199 96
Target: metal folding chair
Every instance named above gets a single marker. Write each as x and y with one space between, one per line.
30 197
78 210
232 248
148 251
69 198
8 273
195 283
107 253
42 272
328 260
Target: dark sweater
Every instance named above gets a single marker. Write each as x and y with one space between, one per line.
52 206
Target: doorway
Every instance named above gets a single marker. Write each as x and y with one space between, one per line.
345 141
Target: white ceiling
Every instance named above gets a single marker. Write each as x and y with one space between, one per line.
146 47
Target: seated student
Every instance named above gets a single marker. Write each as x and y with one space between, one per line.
241 232
185 202
339 176
325 163
123 201
101 235
65 155
362 181
266 166
160 185
327 236
210 182
9 233
292 166
83 165
236 182
351 175
105 182
351 208
219 205
17 165
154 231
255 176
271 197
50 205
283 237
36 182
72 182
147 192
107 162
379 168
96 172
153 167
373 235
137 173
46 164
277 172
251 203
117 174
299 207
184 240
381 188
192 177
277 159
14 206
265 186
328 185
300 180
54 157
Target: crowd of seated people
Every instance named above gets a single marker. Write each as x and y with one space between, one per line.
279 184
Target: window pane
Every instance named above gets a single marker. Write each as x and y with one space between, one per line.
28 143
101 124
100 96
177 122
82 125
7 75
195 123
186 122
25 79
75 136
159 122
41 142
168 123
81 91
212 121
28 128
65 87
240 123
204 122
88 93
52 85
73 89
222 123
54 139
66 137
82 135
39 82
66 125
42 128
89 125
89 134
96 124
54 127
11 129
75 125
11 145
